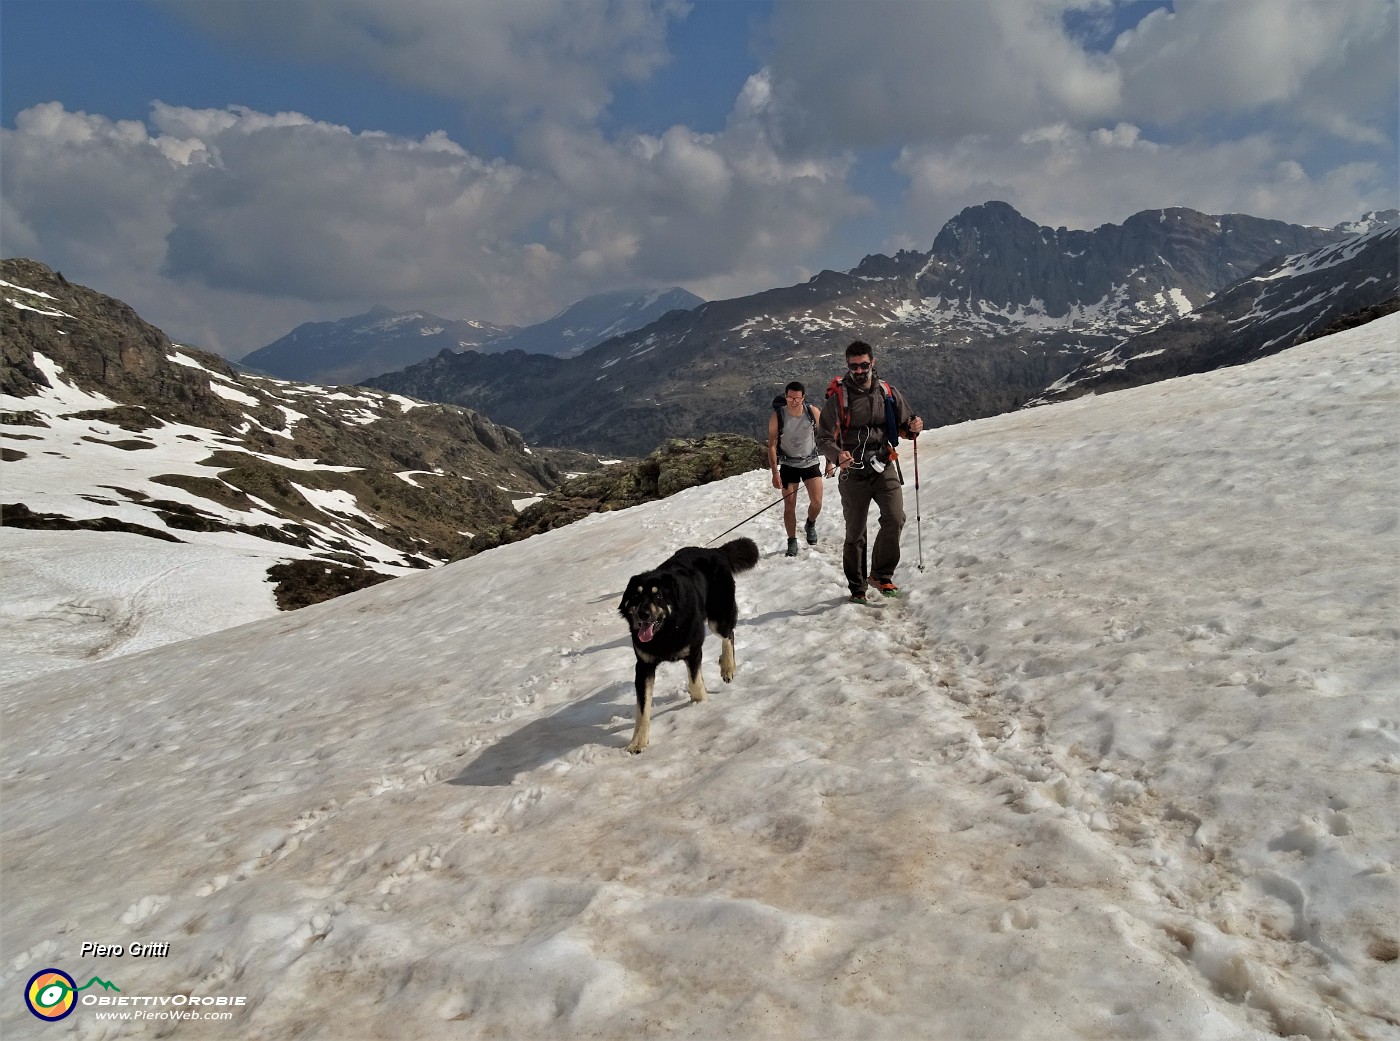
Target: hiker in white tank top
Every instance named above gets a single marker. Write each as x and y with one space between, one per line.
793 459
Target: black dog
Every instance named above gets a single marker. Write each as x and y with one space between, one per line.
667 610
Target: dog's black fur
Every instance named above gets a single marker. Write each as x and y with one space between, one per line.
667 610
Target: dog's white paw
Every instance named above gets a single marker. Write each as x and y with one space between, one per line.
636 746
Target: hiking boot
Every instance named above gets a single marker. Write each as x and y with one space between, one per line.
811 530
857 598
887 588
792 548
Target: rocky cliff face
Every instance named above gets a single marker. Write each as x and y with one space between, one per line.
99 341
996 311
1151 264
1283 303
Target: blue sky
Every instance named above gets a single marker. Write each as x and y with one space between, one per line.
234 168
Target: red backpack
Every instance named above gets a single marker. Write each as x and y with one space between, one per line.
837 388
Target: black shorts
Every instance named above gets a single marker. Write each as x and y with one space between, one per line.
790 475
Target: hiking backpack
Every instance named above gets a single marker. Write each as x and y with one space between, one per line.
838 389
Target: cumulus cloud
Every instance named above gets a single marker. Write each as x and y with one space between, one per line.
238 223
887 71
1284 108
290 206
93 192
1321 61
882 71
686 207
509 59
283 207
1128 172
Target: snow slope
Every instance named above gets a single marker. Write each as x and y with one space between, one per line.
76 596
1123 764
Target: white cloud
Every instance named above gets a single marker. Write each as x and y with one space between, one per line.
510 59
1328 62
239 223
305 216
887 71
232 204
1281 108
688 207
91 192
308 209
1121 172
872 73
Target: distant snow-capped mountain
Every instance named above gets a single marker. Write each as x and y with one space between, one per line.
994 272
996 311
592 320
384 341
351 349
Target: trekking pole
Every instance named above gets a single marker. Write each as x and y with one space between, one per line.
765 509
918 520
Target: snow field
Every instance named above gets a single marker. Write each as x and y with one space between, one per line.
1122 764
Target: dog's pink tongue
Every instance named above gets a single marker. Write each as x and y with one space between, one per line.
646 633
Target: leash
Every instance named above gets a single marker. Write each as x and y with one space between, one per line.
765 509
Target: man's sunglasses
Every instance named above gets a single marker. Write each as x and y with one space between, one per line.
858 366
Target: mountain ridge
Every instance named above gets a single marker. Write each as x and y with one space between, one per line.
1284 303
348 350
359 347
592 320
995 312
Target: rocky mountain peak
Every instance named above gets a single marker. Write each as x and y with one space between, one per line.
963 238
1157 264
998 310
